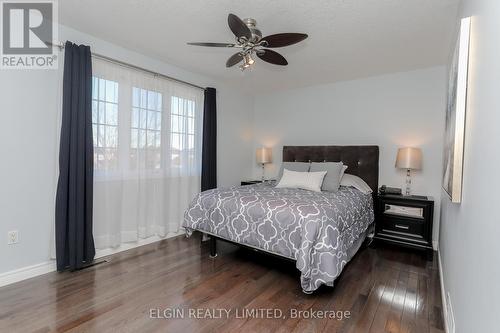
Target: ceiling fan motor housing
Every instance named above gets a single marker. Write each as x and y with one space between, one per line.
252 25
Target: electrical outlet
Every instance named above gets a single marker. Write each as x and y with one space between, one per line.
13 237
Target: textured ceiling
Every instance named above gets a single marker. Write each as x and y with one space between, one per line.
348 39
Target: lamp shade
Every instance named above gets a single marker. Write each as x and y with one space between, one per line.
409 158
264 155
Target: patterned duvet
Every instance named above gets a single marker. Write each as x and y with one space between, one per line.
318 230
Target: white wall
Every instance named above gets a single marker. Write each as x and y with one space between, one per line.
234 137
395 110
469 237
29 114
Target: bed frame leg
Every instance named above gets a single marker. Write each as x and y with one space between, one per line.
213 247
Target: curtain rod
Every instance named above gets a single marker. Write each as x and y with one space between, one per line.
125 64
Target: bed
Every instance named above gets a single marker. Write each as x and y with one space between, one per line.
320 231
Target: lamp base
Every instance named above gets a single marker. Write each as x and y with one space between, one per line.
408 182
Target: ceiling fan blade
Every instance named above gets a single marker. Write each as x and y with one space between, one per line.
238 27
285 39
212 44
272 57
234 59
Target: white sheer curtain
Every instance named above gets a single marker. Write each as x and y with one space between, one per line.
147 158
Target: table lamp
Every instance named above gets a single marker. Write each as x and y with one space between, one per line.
410 159
264 156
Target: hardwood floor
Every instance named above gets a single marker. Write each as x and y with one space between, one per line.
384 289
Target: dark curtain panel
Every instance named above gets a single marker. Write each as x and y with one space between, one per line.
209 152
74 240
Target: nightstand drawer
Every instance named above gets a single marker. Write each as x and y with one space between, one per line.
404 211
403 227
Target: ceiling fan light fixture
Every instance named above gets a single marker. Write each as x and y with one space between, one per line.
244 66
249 60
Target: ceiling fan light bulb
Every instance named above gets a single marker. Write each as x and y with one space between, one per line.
248 60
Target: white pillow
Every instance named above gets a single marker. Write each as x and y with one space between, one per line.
305 180
356 182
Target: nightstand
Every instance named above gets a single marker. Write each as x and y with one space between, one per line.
250 182
405 220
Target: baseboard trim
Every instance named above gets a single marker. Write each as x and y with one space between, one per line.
127 246
443 294
28 272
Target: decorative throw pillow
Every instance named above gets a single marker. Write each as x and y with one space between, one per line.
331 182
356 182
293 166
305 180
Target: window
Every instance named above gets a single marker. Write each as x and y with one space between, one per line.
143 125
148 142
145 133
182 129
105 123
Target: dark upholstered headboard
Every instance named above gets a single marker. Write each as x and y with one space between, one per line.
362 161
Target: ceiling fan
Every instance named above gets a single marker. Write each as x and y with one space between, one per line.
249 39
